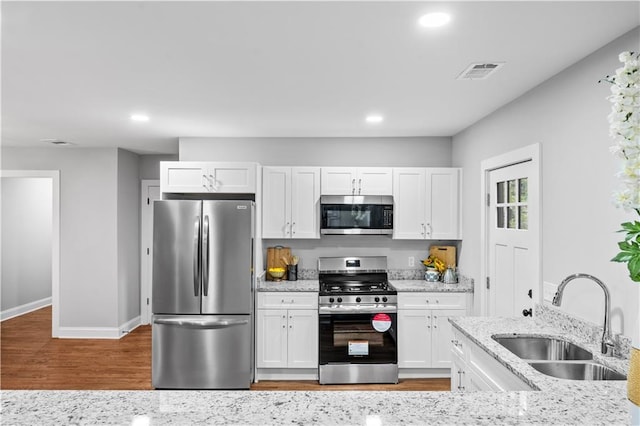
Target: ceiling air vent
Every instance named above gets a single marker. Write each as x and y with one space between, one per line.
480 71
57 142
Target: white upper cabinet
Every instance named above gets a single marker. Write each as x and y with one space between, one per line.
426 203
357 181
290 202
443 204
410 203
196 176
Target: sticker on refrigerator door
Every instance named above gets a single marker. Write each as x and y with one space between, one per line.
241 207
381 322
358 347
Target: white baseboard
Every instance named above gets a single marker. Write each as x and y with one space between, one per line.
24 309
99 332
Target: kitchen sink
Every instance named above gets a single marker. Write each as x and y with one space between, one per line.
543 348
577 370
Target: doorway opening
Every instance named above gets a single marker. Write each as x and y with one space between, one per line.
51 181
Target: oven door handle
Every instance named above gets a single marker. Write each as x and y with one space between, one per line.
357 309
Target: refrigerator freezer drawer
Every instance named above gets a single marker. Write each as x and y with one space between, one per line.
201 352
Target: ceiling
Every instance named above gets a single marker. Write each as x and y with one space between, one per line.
76 71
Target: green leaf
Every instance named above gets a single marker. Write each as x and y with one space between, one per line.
622 257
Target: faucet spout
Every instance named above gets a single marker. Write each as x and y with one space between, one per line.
608 345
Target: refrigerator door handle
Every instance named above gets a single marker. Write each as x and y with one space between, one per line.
200 323
205 257
196 253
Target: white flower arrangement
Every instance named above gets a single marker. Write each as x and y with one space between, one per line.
624 128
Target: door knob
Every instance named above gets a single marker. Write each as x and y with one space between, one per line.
530 293
527 312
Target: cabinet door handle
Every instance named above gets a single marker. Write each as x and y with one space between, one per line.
359 186
213 182
424 230
430 230
292 230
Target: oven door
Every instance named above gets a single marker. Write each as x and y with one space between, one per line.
358 338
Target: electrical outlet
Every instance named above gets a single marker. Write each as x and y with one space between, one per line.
412 261
548 291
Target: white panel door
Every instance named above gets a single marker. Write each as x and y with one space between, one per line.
271 338
150 192
305 202
442 336
511 261
443 204
276 202
303 338
374 181
338 180
409 197
414 339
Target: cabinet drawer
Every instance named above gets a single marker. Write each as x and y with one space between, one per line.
287 300
432 301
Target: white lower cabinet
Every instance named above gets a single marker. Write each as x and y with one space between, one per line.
287 335
473 369
424 332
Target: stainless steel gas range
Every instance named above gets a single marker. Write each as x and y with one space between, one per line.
358 321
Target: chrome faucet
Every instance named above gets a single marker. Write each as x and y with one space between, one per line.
608 345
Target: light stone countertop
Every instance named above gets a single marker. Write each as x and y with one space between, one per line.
558 401
300 285
422 285
399 285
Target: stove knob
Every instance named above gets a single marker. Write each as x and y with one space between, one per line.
358 299
339 299
377 299
384 299
331 300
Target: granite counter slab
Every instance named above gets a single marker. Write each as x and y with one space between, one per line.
422 285
308 408
300 285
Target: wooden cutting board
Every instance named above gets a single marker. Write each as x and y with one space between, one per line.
274 259
445 253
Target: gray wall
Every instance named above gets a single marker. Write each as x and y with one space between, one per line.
149 165
567 115
91 222
387 152
128 236
26 240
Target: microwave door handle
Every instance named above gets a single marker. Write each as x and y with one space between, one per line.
196 256
205 257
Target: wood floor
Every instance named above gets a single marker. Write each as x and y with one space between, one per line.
31 359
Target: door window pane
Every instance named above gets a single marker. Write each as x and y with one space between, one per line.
511 189
500 189
523 219
523 192
511 217
500 217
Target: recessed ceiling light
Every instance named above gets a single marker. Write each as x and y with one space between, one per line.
56 142
139 117
374 118
433 20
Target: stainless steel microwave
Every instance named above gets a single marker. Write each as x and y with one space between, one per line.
356 214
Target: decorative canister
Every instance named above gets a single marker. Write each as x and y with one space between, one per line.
432 275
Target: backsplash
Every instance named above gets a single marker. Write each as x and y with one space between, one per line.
583 329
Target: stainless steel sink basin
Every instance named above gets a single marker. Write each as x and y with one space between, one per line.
543 348
577 370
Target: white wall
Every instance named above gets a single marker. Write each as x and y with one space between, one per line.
387 152
567 115
26 241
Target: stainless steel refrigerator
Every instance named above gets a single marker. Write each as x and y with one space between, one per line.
202 297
